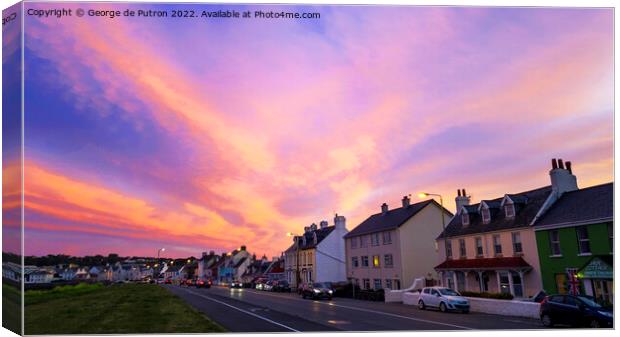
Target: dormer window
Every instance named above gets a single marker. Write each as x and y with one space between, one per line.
465 219
486 215
510 210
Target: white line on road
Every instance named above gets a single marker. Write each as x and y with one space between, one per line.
242 310
369 310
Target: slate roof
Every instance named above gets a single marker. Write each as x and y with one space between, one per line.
485 263
240 262
391 220
527 205
591 204
321 233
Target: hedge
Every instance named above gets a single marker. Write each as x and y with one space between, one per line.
498 296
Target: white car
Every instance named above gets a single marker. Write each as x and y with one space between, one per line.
444 299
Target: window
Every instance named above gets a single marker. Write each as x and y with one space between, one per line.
486 215
610 234
387 238
388 284
377 283
366 283
353 243
462 249
554 243
388 260
396 284
517 285
449 249
479 251
465 219
583 240
363 241
375 261
517 247
497 245
374 239
364 261
510 210
427 290
355 262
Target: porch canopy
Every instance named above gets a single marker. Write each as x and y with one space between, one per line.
481 265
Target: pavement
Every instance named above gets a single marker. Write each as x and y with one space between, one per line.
250 310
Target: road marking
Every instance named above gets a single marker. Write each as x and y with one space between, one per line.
242 310
369 310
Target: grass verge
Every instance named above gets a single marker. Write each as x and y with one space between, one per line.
115 309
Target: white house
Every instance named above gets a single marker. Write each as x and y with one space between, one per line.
318 255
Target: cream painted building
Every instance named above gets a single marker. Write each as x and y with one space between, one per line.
392 248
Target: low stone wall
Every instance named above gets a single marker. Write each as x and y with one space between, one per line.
394 296
490 306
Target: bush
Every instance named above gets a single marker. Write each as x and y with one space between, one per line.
497 296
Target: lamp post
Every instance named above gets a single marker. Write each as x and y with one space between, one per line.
443 220
158 262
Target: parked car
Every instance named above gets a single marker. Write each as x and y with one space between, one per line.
282 286
259 285
444 299
317 290
168 281
200 283
268 286
235 285
575 311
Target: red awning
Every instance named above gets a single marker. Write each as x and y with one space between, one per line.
491 263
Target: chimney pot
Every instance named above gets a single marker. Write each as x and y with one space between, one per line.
569 167
323 224
560 163
384 208
458 192
464 194
406 201
554 164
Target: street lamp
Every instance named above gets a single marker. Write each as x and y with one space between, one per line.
159 251
423 195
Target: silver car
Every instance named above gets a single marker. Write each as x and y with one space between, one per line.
444 299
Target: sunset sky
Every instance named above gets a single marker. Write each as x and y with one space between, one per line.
206 134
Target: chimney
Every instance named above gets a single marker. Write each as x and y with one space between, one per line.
323 224
243 248
406 201
306 229
340 222
384 208
313 227
562 179
461 200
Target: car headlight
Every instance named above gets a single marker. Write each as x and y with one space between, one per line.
316 290
329 291
606 314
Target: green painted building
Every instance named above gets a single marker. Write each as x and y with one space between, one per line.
574 238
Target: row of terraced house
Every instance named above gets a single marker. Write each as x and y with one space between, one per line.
557 238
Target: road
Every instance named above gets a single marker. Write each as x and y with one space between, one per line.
249 310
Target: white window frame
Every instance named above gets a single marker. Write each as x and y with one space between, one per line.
479 248
497 243
553 243
465 218
462 248
585 240
486 215
515 242
509 210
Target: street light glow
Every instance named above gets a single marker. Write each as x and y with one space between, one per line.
422 195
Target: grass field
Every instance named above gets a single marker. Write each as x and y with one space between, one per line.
11 308
125 308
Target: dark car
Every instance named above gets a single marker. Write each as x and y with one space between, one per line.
575 311
187 282
317 290
200 283
281 286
